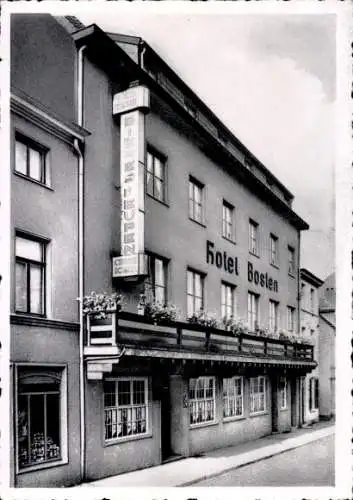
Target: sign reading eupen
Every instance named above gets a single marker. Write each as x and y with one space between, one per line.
221 259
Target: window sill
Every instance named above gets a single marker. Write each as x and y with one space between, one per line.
229 239
126 439
291 275
197 222
203 424
31 315
276 266
254 254
44 465
162 202
259 414
233 419
284 409
34 181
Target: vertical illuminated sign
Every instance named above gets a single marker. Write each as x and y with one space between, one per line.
132 105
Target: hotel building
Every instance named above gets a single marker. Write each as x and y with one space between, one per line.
125 181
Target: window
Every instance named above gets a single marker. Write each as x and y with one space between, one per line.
202 399
196 202
283 394
253 311
228 228
273 316
274 250
253 237
227 301
156 281
232 397
291 260
313 393
125 407
156 175
257 394
291 319
40 416
30 275
195 292
312 300
31 159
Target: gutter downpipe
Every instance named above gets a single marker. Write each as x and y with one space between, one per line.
79 149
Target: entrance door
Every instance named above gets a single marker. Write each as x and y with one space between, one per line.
274 406
293 385
165 419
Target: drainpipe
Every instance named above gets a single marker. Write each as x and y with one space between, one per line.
79 149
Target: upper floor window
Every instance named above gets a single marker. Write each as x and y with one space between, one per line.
228 226
291 260
290 319
31 159
125 407
156 281
253 311
253 237
227 301
196 201
273 316
156 175
195 292
30 275
274 260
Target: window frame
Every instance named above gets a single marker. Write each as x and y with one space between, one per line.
313 394
291 261
230 209
194 297
283 395
203 399
43 242
43 151
253 395
55 371
151 265
196 184
130 379
229 397
254 238
224 305
291 319
254 322
273 308
155 154
274 250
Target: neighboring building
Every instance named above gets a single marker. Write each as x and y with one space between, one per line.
121 166
327 351
309 327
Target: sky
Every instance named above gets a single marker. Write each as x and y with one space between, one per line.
271 80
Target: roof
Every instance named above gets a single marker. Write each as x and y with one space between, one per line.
311 278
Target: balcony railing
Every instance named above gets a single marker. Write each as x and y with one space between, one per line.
128 329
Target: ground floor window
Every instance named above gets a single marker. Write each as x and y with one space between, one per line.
232 397
39 416
125 407
283 393
313 393
257 394
202 399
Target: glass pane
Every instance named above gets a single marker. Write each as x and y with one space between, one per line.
198 286
28 249
36 289
53 426
124 392
158 189
198 212
36 425
138 392
160 295
159 272
35 167
149 183
190 285
158 168
21 287
198 304
21 158
197 192
190 305
149 162
23 437
109 394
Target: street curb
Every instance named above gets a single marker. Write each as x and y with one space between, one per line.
252 461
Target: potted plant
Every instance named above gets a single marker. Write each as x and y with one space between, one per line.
101 305
160 313
237 327
201 317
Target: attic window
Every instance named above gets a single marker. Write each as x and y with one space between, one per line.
222 137
190 106
248 164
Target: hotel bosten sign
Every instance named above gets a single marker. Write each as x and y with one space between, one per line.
131 105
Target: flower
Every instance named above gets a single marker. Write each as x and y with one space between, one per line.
100 304
160 313
209 320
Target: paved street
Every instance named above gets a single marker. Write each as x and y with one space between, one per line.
309 465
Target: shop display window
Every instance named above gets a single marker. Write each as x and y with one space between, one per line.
232 397
202 399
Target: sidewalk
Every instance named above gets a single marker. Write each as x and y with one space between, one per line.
187 471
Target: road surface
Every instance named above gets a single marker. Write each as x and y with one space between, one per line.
309 465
